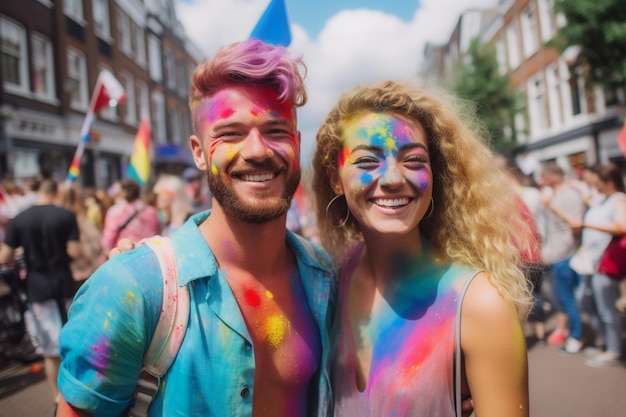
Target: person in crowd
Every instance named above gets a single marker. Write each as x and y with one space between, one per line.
198 195
601 222
559 245
90 236
411 202
171 202
260 297
528 197
130 217
49 237
94 208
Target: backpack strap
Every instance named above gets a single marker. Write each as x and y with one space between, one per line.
170 328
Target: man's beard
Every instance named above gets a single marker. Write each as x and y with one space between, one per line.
271 208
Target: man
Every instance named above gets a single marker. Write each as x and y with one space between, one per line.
199 198
49 237
257 337
563 203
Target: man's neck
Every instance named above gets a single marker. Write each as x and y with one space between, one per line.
256 248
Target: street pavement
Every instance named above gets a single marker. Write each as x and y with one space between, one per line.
560 386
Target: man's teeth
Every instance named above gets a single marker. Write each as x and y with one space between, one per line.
257 177
395 202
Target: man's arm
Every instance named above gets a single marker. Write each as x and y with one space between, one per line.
73 249
66 410
7 254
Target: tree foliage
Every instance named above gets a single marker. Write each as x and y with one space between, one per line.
481 83
598 28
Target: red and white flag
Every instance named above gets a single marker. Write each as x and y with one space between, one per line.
108 91
621 139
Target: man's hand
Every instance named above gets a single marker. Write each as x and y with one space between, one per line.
124 245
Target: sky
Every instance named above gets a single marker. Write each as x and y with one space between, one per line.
344 43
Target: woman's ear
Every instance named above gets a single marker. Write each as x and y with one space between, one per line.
335 182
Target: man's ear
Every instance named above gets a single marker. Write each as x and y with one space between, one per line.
197 151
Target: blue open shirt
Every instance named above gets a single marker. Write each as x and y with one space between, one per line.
114 314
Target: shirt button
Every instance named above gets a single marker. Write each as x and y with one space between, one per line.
245 392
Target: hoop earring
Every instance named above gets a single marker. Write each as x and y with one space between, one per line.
343 223
432 208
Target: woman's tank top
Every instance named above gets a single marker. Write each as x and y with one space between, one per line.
413 342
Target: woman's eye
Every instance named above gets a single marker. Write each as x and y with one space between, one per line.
366 162
415 161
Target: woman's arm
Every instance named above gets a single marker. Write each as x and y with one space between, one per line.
493 344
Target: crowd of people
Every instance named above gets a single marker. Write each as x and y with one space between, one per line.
426 254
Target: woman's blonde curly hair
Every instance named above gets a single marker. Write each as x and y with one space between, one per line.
475 211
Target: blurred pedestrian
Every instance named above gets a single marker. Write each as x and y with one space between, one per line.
196 191
171 202
50 239
559 245
601 223
130 217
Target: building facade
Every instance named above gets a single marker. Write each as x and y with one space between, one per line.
51 55
562 119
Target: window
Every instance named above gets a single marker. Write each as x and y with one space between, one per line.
14 57
101 18
537 104
77 80
158 117
175 126
529 31
74 9
501 57
123 26
144 99
131 103
546 18
43 67
154 54
140 45
554 101
512 44
170 69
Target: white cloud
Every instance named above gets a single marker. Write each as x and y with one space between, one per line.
355 46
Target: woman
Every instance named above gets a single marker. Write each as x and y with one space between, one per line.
417 199
171 202
602 221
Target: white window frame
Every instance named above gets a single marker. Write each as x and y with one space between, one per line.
155 58
501 56
139 40
530 34
123 28
81 102
170 69
546 16
131 102
101 19
512 45
44 64
10 29
554 98
536 104
159 117
144 99
74 10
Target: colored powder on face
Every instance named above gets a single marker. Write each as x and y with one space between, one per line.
343 156
276 326
252 298
214 170
422 182
366 178
269 294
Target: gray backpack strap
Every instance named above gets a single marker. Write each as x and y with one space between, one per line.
169 332
457 347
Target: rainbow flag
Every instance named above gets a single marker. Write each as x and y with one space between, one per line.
139 168
273 26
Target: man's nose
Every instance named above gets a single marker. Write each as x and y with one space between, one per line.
255 147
